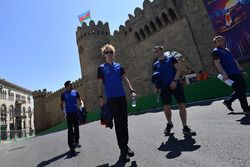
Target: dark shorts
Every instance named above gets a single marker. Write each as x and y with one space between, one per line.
166 95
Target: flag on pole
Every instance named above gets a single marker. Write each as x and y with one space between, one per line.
84 16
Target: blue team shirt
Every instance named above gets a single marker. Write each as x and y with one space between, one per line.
226 60
111 74
165 70
70 99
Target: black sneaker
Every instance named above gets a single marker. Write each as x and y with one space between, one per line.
168 129
130 152
228 105
72 152
188 131
124 158
77 145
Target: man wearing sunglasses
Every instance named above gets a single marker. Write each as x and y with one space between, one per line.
70 107
110 77
166 77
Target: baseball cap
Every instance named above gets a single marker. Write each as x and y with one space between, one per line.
67 83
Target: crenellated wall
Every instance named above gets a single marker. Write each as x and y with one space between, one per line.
178 25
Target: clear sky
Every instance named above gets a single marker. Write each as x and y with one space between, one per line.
37 38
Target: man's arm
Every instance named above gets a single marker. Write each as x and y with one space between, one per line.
238 65
178 68
100 91
81 101
128 84
244 73
220 68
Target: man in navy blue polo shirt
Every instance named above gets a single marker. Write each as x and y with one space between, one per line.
69 105
110 77
166 78
230 69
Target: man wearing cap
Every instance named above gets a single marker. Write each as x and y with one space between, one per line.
166 77
69 105
110 77
230 69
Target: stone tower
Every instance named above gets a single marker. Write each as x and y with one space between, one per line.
89 40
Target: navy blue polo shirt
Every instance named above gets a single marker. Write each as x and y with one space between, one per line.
70 99
226 60
111 74
166 70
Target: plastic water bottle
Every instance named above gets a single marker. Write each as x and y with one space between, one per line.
229 82
133 101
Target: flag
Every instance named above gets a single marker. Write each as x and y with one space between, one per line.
84 16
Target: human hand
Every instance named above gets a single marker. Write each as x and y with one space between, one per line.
244 74
101 101
133 94
173 85
225 77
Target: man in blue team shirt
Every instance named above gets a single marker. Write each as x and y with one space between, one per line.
70 107
230 69
166 77
110 77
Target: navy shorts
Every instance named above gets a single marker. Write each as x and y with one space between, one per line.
166 94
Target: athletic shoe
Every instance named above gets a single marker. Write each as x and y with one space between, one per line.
72 152
168 129
77 145
130 152
124 157
188 131
228 105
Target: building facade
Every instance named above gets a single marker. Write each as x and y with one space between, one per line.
16 111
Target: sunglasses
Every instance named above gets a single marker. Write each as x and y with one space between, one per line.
108 52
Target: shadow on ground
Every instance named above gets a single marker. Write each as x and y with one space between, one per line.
176 146
119 164
245 120
66 155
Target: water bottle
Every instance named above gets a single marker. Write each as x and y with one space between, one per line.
133 101
229 82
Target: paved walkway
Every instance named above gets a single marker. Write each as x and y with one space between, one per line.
223 140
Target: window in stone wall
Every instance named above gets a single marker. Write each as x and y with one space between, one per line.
142 34
152 25
146 28
172 14
11 112
158 21
137 37
165 18
3 115
18 97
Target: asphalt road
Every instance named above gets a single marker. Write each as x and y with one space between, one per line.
223 140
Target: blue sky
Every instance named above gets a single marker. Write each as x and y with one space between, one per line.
37 38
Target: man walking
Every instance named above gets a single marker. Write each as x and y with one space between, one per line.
230 69
70 107
110 77
166 77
